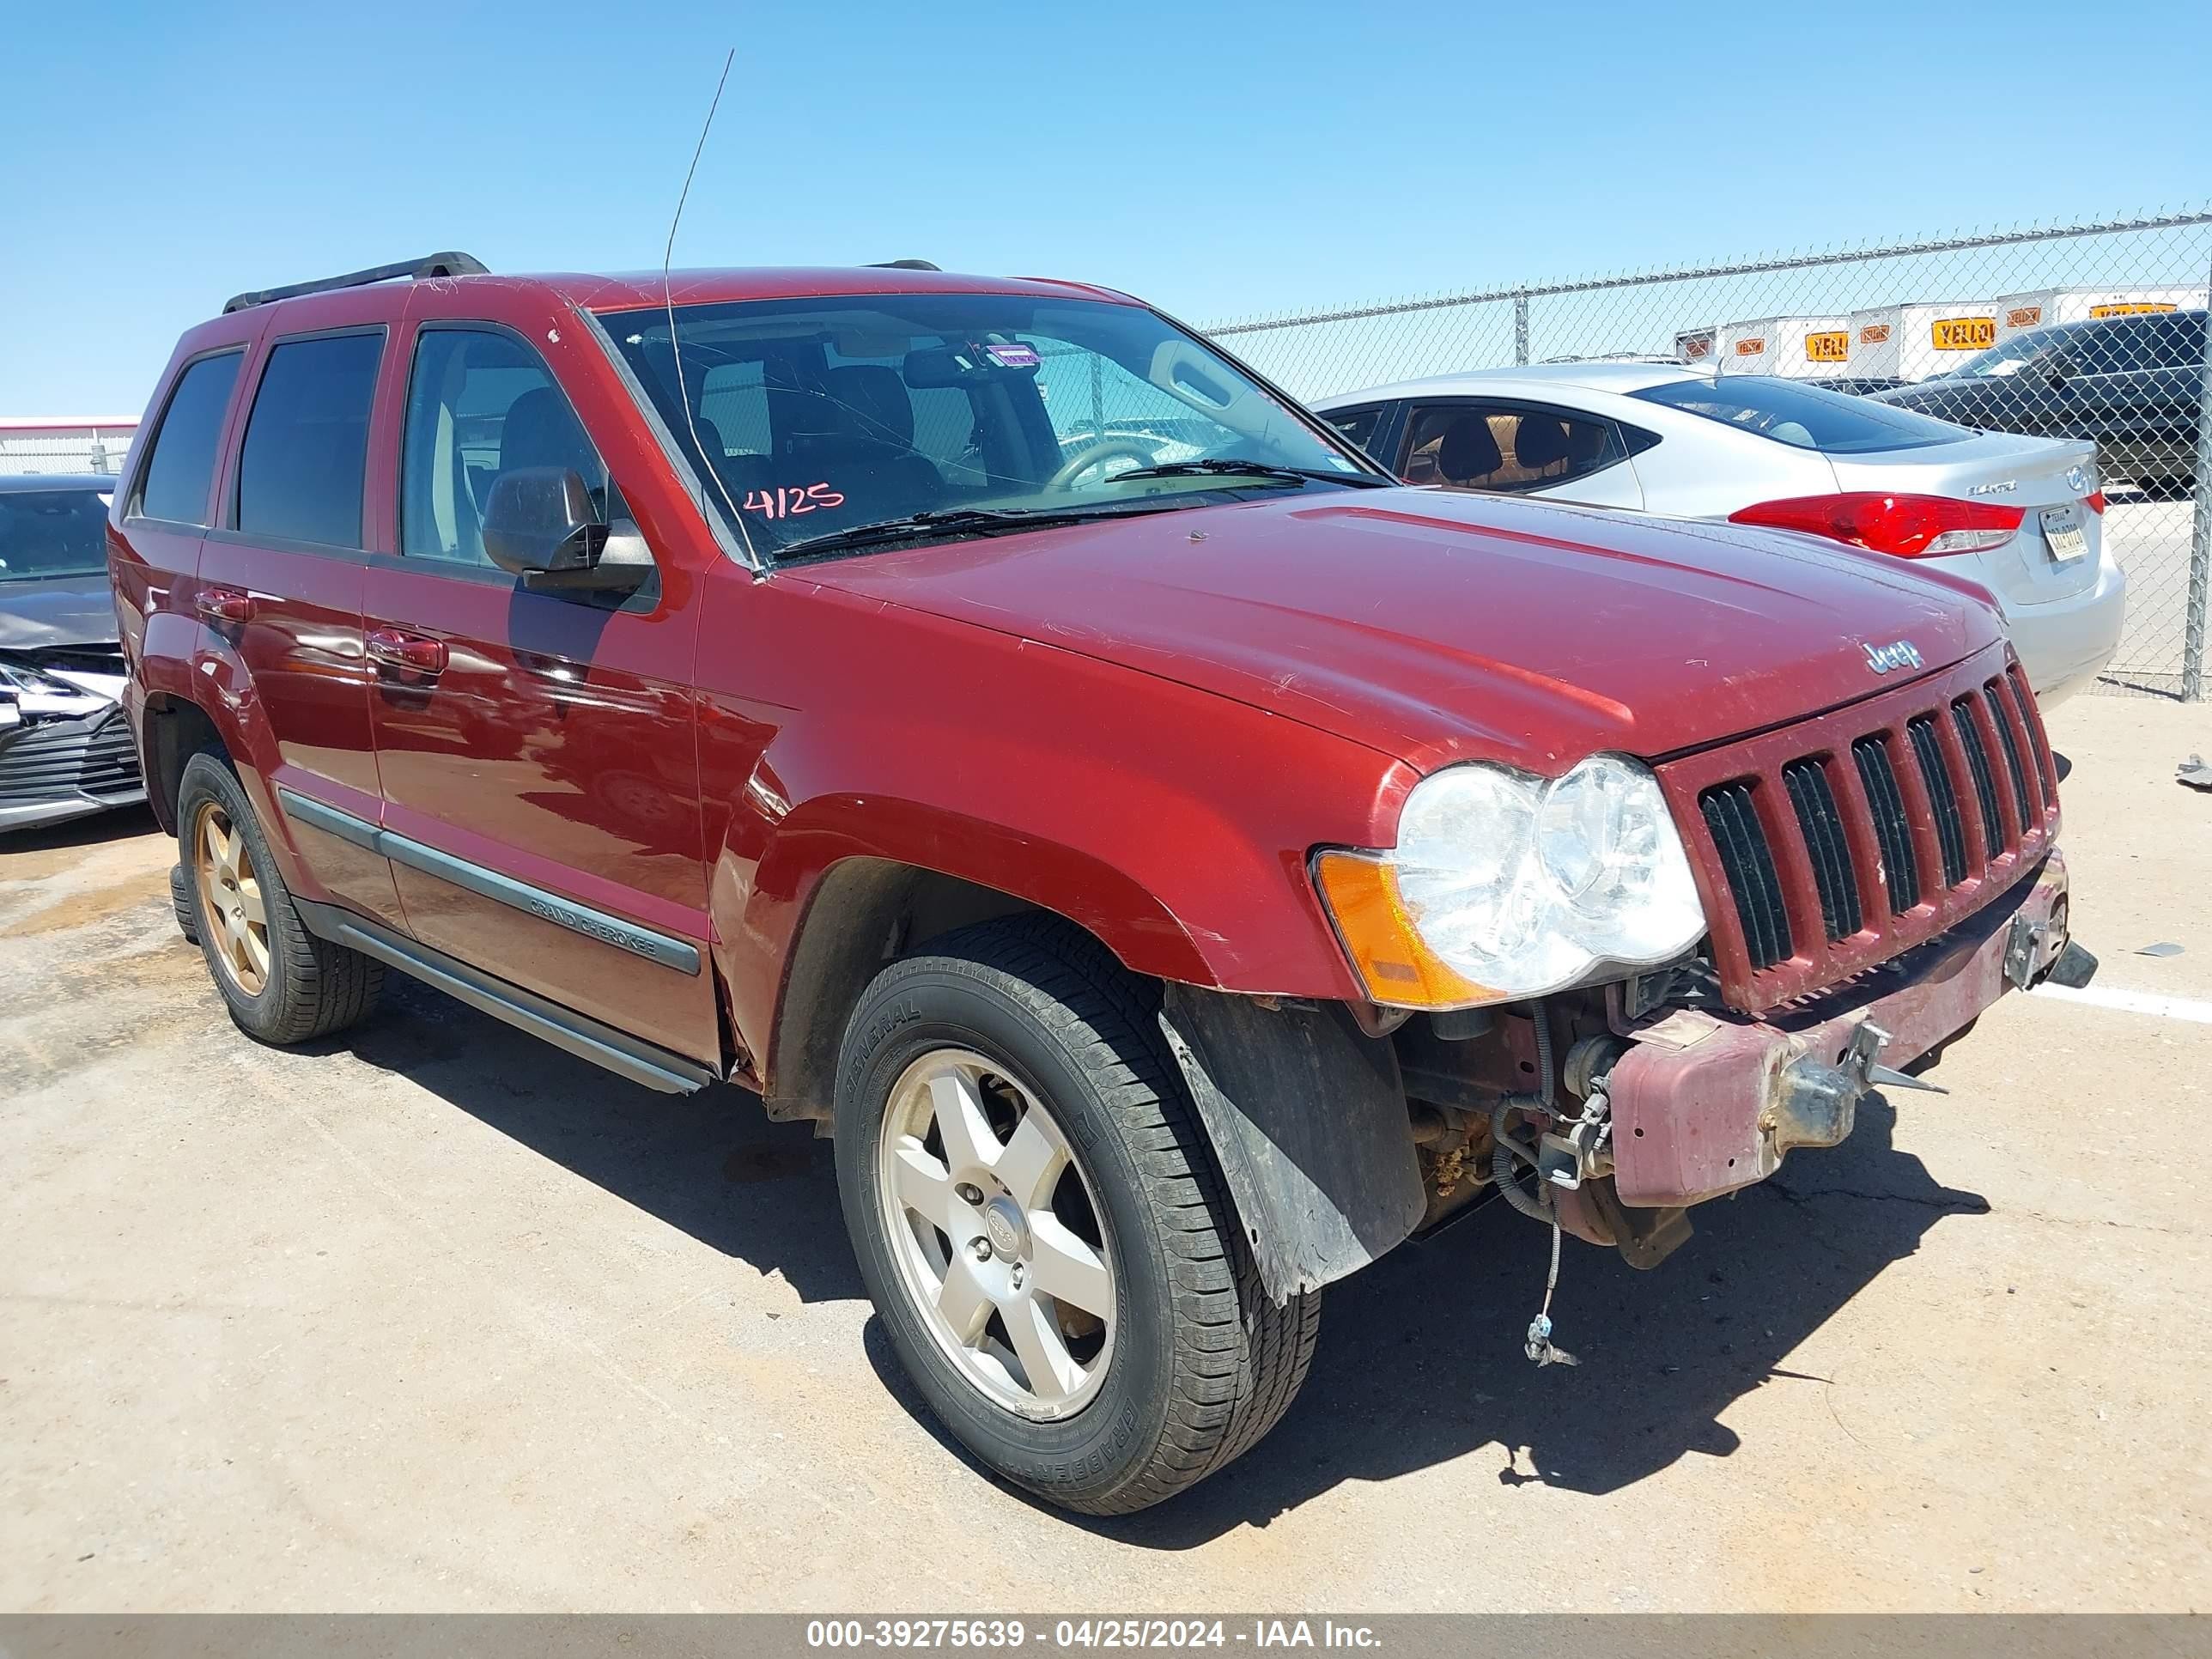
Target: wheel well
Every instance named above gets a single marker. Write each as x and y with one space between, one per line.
175 732
866 912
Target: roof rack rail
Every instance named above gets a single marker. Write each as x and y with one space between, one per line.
904 264
435 265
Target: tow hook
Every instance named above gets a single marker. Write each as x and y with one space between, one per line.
2024 951
2038 951
1817 1102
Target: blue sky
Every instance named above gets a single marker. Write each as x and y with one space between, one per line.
1218 159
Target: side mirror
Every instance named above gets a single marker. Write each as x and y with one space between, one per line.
541 524
539 519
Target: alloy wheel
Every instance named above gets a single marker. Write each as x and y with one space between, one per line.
231 900
997 1235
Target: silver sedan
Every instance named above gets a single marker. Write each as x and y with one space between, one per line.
2021 516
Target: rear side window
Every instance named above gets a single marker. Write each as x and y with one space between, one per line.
181 464
1478 445
300 467
1802 417
480 403
2177 340
2174 340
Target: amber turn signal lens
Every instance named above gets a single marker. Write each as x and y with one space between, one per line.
1361 892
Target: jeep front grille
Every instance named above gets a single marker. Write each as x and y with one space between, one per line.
1826 848
1942 799
1740 840
1892 828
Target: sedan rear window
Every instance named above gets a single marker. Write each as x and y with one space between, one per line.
1802 417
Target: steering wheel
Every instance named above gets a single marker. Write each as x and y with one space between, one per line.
1088 457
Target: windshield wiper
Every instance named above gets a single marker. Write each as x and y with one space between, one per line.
1226 466
955 521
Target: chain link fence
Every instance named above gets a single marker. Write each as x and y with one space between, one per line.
2092 331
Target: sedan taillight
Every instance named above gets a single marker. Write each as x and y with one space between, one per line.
1910 526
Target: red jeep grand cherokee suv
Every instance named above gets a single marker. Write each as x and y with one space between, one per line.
1178 864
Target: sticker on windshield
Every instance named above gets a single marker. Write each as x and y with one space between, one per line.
1015 355
789 499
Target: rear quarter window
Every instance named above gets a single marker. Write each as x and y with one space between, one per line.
180 466
1802 417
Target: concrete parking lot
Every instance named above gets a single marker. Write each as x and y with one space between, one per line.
434 1317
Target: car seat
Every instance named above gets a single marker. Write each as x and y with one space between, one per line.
1468 450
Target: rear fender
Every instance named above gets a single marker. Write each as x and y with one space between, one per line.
221 686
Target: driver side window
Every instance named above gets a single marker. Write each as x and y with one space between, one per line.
480 403
1091 400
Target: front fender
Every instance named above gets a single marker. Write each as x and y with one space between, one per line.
1095 895
1172 825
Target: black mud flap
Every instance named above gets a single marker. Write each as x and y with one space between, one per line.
1307 1117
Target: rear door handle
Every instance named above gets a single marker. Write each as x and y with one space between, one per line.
415 654
223 605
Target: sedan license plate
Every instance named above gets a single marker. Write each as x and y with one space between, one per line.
2062 528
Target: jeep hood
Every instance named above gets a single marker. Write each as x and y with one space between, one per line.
1435 627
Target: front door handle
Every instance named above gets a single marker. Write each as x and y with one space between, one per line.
223 605
414 655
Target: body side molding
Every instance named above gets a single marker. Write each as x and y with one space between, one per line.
668 951
588 1039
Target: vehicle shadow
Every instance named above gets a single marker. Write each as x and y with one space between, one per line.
118 824
1420 1359
711 1163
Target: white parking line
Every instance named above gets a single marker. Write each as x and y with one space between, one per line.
2133 1002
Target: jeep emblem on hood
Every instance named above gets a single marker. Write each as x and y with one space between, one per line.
1898 653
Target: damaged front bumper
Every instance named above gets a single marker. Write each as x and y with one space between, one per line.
65 766
1704 1104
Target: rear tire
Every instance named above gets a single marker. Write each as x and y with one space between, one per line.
281 984
1029 1016
180 901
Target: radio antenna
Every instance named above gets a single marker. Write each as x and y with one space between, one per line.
675 346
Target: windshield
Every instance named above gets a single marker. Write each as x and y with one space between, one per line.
45 533
2000 361
1803 417
825 416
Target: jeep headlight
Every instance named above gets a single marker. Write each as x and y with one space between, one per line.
1503 885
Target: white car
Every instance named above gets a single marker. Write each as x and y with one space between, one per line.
2023 517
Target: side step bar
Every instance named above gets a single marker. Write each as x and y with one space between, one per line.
588 1039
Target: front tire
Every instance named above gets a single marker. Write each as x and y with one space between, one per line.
281 984
1042 1226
